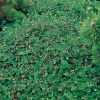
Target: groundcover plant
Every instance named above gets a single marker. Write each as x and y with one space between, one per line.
52 54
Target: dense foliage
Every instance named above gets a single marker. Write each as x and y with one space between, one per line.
14 9
90 33
48 55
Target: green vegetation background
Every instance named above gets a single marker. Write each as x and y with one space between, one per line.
42 53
